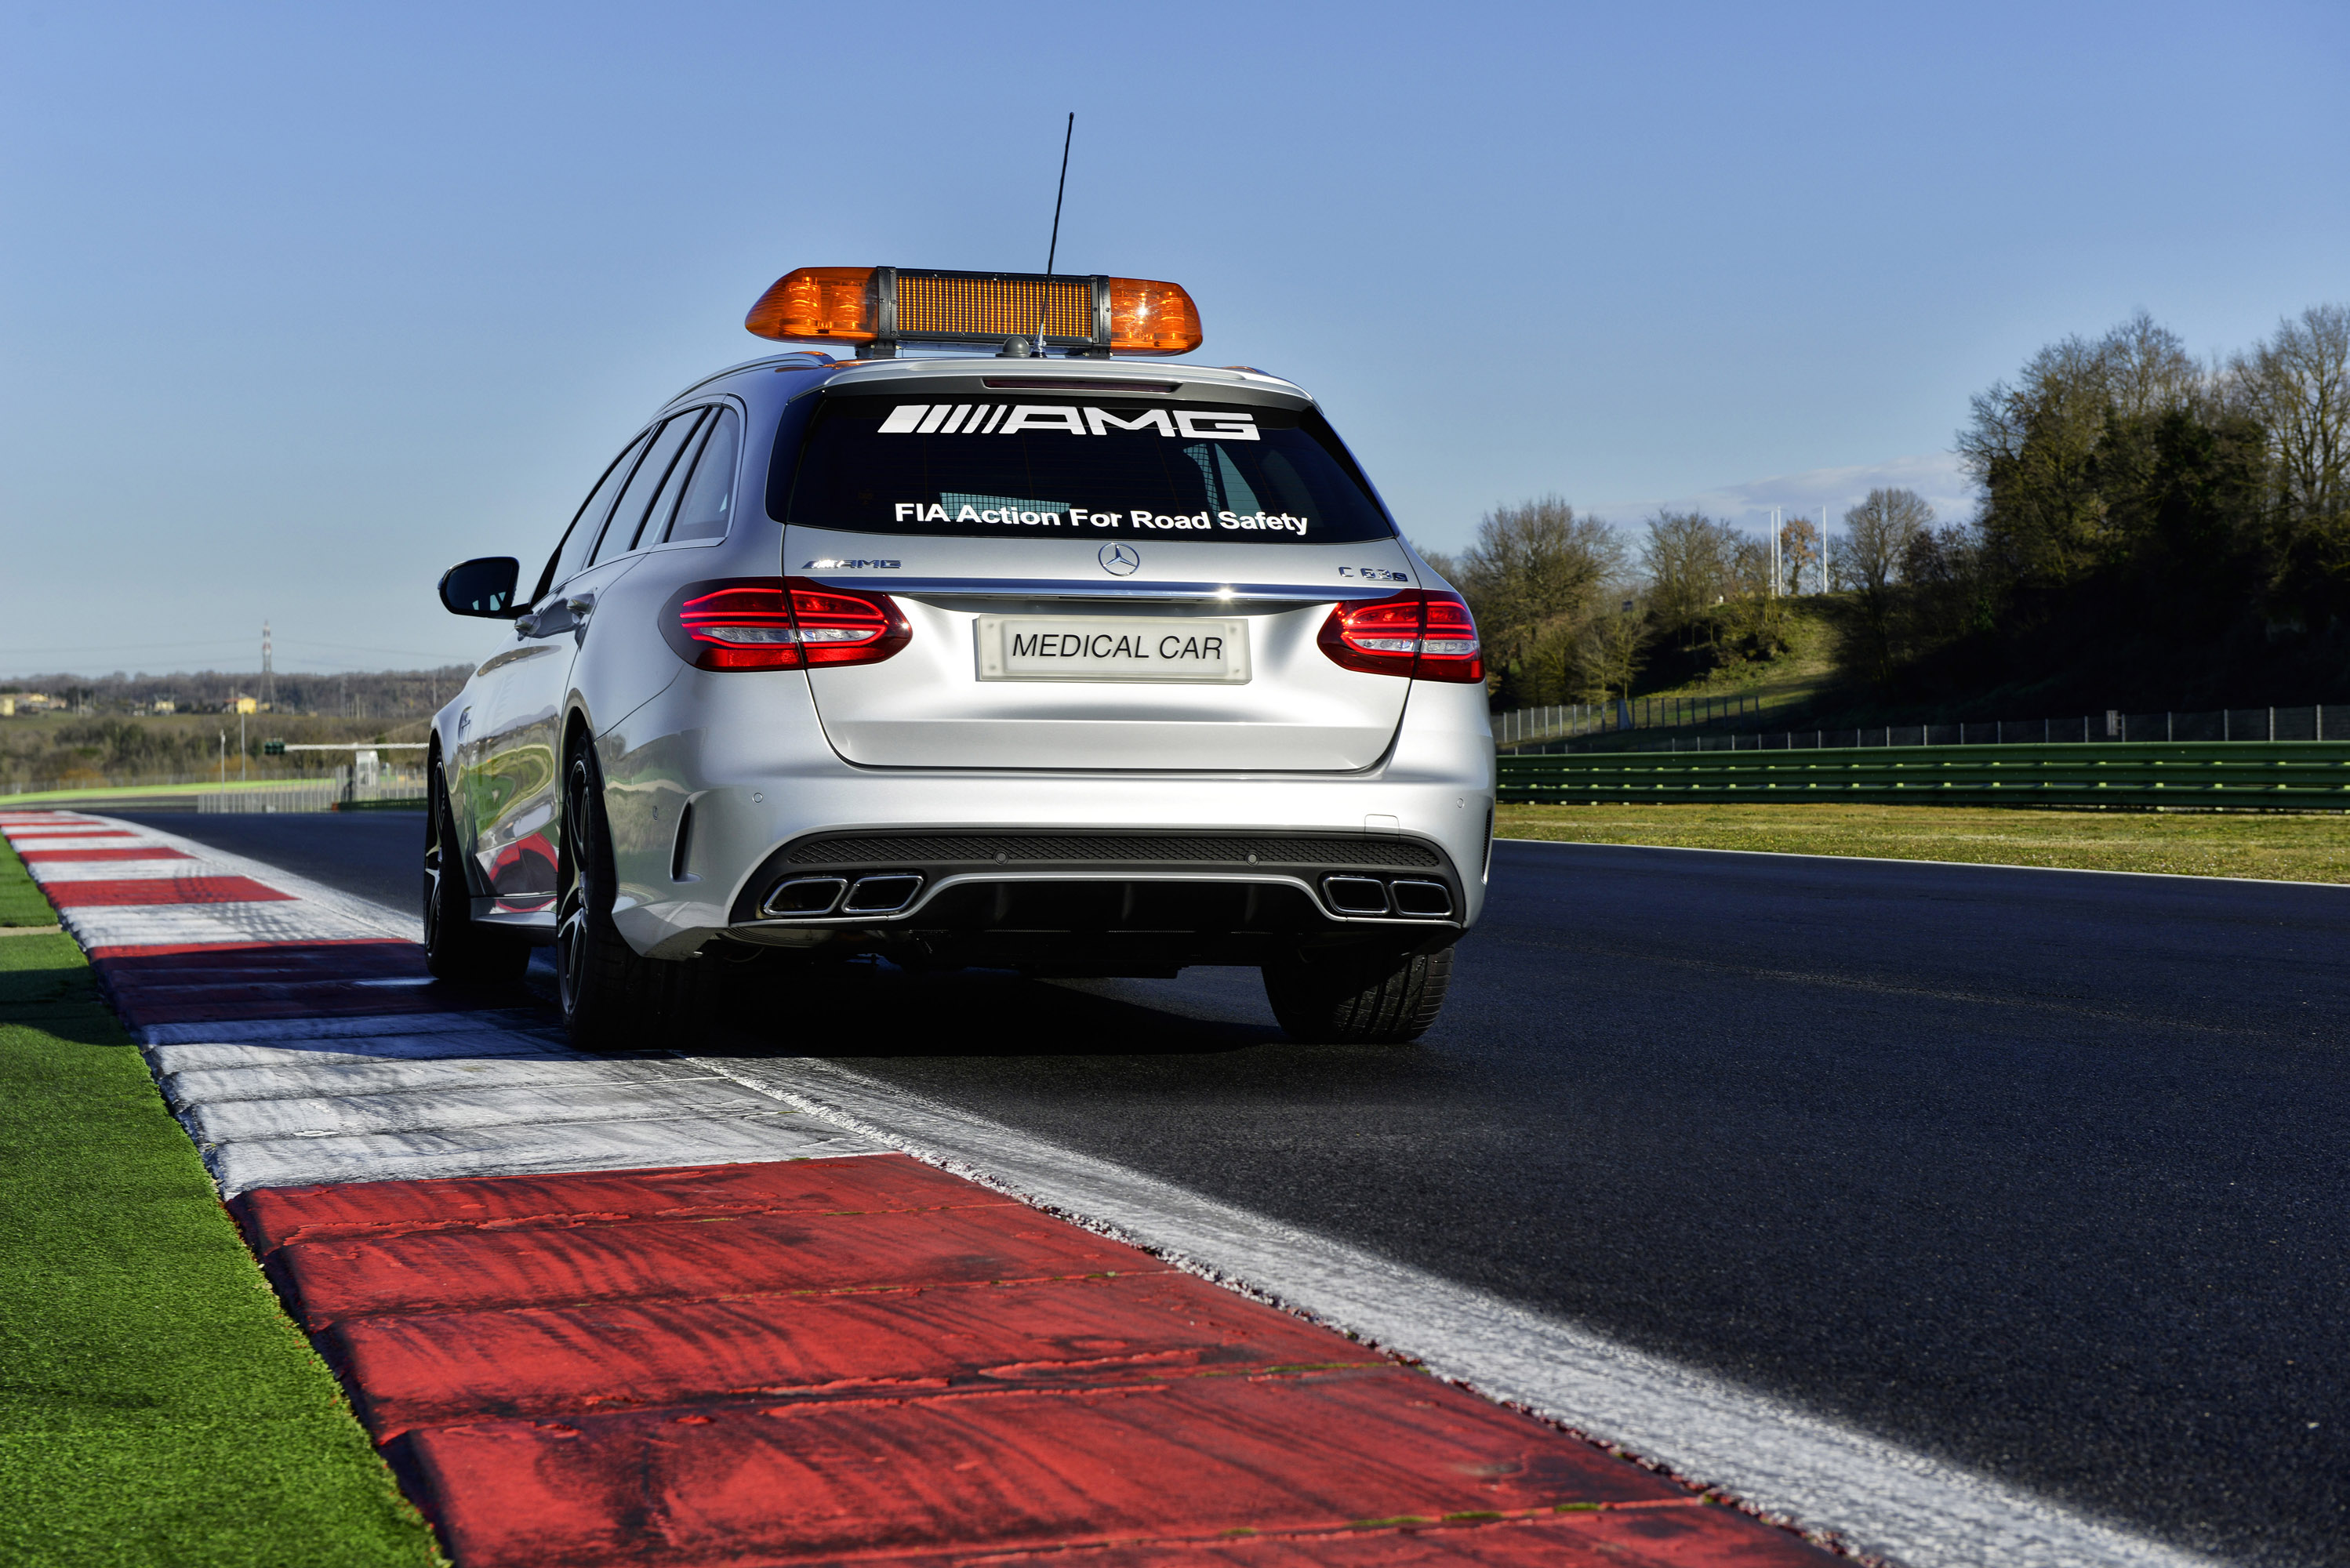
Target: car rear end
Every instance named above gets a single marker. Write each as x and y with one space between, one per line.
1086 670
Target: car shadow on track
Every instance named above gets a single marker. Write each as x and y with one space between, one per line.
874 1010
881 1010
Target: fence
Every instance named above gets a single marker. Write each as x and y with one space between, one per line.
129 783
2229 726
2285 775
337 792
326 794
1524 726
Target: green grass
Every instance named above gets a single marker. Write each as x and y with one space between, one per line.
1793 678
156 1405
21 903
2312 848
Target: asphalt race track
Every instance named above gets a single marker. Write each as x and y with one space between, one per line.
2041 1172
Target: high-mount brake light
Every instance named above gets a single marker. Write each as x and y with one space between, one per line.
883 307
1417 634
781 623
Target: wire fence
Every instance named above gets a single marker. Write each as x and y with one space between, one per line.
2315 723
1528 725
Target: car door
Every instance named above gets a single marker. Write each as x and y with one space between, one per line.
519 841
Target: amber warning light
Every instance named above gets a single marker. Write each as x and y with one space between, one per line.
879 309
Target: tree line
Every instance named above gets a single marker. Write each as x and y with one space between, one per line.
1573 609
2150 529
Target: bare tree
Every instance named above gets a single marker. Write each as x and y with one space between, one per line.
1536 578
2297 383
1689 559
1879 535
1799 553
1877 538
2147 368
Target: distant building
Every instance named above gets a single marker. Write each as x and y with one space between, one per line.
165 705
246 705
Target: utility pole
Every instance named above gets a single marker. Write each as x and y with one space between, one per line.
268 675
242 762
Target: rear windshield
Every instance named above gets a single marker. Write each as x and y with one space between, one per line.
1027 467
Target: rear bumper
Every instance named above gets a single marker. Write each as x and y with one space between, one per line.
749 792
1098 900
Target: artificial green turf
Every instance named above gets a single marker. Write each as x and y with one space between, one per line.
21 903
156 1406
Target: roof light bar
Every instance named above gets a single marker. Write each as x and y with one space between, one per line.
881 308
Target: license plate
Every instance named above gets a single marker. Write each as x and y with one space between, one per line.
1058 647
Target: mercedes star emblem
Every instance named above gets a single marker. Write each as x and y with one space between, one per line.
1122 560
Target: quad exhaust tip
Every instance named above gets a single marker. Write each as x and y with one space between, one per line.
812 898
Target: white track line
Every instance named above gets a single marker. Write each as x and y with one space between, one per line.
1875 1496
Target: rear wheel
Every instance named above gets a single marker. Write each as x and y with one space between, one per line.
457 946
613 998
1359 998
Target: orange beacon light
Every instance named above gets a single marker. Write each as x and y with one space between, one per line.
879 309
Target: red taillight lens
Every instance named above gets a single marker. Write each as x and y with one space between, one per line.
779 623
1415 634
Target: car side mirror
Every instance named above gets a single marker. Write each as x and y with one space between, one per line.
483 587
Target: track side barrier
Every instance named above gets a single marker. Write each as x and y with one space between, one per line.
2285 775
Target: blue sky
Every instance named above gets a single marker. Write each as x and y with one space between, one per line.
299 304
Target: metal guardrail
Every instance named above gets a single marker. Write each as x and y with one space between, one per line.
2242 776
1699 725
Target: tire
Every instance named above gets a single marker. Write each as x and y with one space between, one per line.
458 947
612 998
1358 999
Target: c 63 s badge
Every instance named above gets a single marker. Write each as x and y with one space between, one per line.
1374 573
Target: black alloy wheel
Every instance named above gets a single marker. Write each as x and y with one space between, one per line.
458 947
579 987
612 999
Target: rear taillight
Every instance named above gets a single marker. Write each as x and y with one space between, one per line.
1417 634
780 623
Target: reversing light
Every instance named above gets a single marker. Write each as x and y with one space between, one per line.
1417 634
883 307
780 623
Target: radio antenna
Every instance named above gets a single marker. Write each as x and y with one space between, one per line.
1061 190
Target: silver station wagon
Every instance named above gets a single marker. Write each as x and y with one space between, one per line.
989 647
